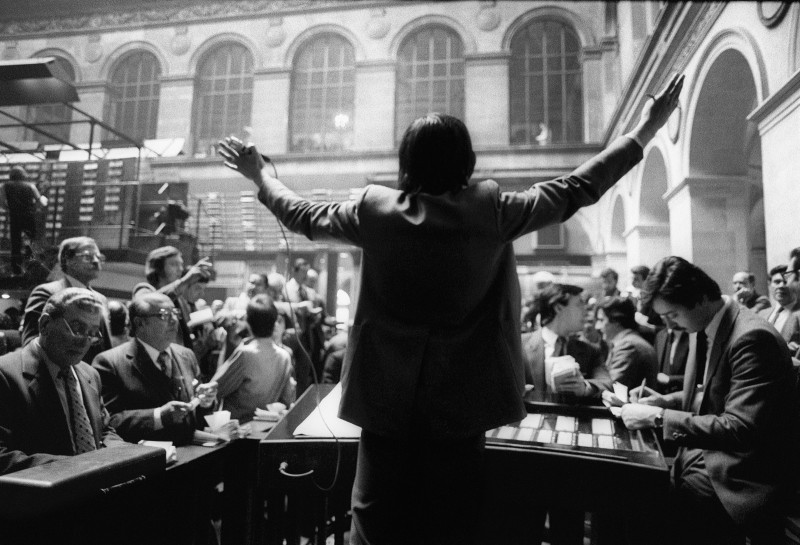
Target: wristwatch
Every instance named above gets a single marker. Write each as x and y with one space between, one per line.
658 421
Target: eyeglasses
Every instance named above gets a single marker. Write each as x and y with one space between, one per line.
165 315
790 276
83 334
90 256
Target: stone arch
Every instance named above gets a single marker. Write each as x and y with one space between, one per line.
470 46
113 60
584 31
309 34
227 37
57 52
724 187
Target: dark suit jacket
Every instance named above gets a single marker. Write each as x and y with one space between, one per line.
632 359
587 356
35 305
748 417
33 425
678 367
436 330
791 327
133 387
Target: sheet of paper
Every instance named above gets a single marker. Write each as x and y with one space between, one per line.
531 421
323 422
621 391
602 426
507 432
545 436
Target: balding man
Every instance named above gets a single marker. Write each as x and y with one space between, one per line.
50 404
744 291
149 382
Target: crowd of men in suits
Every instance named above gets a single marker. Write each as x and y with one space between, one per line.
716 374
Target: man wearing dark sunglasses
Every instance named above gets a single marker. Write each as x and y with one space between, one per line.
81 263
149 383
50 404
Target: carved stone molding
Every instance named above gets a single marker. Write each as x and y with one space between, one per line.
180 42
10 51
772 13
94 49
378 25
488 18
276 34
162 15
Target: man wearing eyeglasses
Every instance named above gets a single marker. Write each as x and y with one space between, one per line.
81 263
50 404
149 382
785 315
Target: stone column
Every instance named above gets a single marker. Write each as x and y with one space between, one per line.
486 99
593 96
708 224
270 114
374 118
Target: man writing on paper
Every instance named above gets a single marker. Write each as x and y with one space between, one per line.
735 420
148 382
434 356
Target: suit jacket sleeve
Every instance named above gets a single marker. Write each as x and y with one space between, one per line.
315 220
33 310
555 201
750 404
130 423
621 363
598 375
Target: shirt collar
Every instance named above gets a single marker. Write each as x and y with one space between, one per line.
75 282
52 368
152 352
549 336
713 325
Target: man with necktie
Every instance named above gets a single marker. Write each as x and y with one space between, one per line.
561 312
672 349
735 420
81 262
148 382
785 315
50 405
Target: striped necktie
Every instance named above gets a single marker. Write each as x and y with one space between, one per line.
82 435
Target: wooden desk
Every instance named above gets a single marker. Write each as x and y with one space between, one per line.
632 476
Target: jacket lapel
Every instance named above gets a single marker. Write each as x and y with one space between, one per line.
721 339
44 396
146 368
185 374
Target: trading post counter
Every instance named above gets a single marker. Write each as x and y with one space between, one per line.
561 454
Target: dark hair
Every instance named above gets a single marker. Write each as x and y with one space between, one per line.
778 269
298 263
678 282
69 247
117 317
641 270
794 253
141 304
619 310
17 174
544 302
154 266
608 271
435 155
261 315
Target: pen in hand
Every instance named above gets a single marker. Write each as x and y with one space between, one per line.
641 390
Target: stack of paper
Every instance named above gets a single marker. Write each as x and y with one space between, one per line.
563 367
323 422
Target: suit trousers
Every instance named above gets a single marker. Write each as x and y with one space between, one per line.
700 517
420 490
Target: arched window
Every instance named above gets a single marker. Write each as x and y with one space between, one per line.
430 76
546 88
58 114
133 96
323 95
223 95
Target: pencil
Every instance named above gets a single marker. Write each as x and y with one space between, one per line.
641 394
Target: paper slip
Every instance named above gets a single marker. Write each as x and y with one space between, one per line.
525 434
531 421
507 432
584 439
621 391
545 436
323 422
169 448
605 441
565 423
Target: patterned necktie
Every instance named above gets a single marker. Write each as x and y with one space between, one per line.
702 348
82 435
164 363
